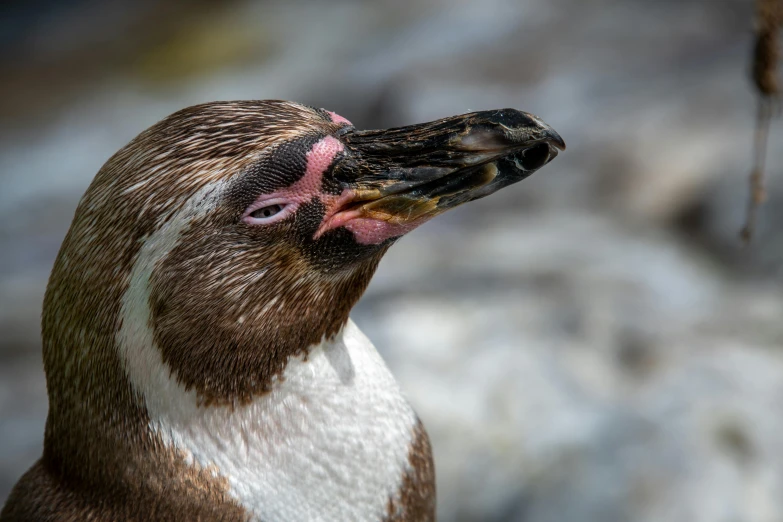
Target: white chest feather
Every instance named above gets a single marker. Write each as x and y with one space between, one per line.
330 442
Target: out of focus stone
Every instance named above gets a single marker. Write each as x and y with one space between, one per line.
518 364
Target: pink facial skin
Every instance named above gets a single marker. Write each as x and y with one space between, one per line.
309 186
367 231
373 231
336 118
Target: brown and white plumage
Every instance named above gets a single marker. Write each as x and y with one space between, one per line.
199 357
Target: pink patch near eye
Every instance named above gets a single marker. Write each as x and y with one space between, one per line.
319 158
336 118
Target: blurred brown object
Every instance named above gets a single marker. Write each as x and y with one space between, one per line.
766 54
767 50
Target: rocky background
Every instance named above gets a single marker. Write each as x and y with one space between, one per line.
591 345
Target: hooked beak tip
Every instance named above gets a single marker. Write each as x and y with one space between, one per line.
533 128
555 140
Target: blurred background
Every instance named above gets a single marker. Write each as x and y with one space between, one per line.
591 345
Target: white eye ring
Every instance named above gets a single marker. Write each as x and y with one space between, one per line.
267 212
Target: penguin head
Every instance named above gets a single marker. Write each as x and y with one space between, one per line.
234 235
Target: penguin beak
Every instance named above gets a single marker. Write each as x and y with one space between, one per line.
407 175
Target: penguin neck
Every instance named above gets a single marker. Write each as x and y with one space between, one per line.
334 425
336 419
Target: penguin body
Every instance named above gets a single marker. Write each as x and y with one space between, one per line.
200 359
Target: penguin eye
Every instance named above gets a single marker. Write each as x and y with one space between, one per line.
267 212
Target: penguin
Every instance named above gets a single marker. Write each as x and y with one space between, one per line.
199 356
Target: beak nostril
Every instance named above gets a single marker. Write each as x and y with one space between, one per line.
533 158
